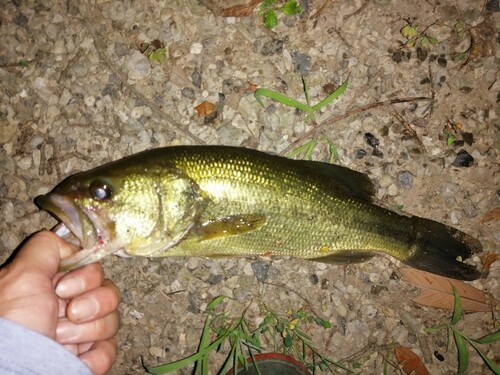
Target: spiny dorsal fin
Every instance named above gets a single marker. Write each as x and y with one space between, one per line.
354 183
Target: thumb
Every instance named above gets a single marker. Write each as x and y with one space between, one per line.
43 252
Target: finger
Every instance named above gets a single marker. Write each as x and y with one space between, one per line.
42 252
80 280
94 304
96 330
100 357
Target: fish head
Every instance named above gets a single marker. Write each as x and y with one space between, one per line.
133 210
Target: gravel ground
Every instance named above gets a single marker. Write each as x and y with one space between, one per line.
76 91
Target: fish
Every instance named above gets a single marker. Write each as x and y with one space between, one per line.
223 201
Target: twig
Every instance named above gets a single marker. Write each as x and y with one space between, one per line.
357 11
408 128
154 107
70 65
353 112
320 10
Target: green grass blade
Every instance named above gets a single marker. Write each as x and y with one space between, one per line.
229 360
306 150
283 99
463 352
334 156
491 364
177 365
457 307
305 85
330 98
488 339
215 302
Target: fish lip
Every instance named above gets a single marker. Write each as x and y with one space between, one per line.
71 218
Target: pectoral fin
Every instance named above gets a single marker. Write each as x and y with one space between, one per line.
231 225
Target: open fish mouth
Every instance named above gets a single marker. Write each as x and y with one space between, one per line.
75 227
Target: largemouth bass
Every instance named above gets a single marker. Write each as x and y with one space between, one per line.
213 201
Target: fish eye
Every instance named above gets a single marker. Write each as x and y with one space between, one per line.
101 191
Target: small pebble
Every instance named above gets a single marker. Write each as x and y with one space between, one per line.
196 48
405 180
371 140
359 153
187 92
468 138
272 47
442 62
196 78
314 278
260 270
421 53
302 63
21 20
463 159
376 152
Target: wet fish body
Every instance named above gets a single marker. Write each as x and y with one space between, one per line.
227 201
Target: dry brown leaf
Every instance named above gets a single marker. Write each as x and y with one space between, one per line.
487 260
437 291
204 109
494 214
411 363
243 10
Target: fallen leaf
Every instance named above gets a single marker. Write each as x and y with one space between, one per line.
437 292
487 260
204 109
494 214
243 10
411 363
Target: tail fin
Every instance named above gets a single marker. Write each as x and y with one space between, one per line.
439 249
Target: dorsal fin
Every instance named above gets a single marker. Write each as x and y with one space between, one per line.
353 183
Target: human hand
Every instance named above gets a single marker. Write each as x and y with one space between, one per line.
78 309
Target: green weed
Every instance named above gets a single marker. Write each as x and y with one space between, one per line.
463 342
268 10
307 107
286 332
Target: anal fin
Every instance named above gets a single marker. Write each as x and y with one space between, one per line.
345 257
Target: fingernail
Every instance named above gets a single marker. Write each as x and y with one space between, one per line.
83 309
69 287
66 333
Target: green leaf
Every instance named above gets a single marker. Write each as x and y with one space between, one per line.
433 329
463 353
488 339
159 55
491 364
450 138
425 42
291 8
409 32
288 340
270 19
460 26
411 43
283 99
460 56
177 365
305 150
432 39
301 314
215 302
457 307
